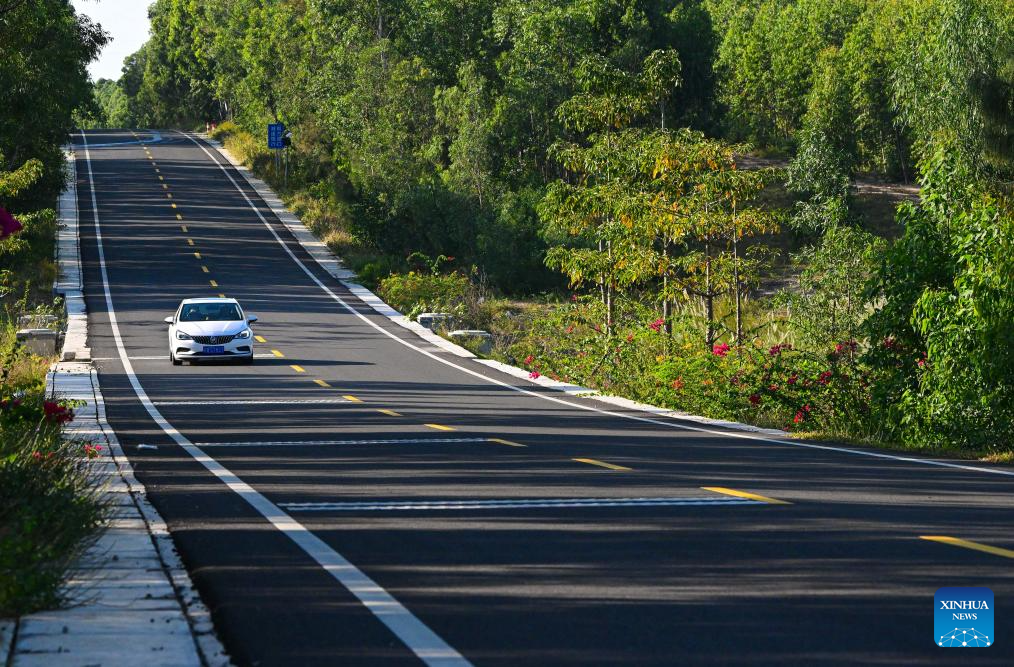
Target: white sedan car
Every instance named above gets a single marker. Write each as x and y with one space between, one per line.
210 329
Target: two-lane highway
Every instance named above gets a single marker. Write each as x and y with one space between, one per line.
358 496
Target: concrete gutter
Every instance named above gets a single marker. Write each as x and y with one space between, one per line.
69 281
334 266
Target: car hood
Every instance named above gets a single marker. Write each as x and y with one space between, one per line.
211 328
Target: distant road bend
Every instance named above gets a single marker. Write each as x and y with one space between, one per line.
358 496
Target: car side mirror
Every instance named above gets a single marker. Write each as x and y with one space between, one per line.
168 320
250 319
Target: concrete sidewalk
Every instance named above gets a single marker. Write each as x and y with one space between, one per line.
132 601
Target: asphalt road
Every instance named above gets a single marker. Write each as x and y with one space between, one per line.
263 521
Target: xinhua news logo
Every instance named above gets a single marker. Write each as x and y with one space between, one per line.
963 618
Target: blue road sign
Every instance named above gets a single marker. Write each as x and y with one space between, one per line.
275 133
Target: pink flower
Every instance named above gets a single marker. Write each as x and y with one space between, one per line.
529 359
573 298
535 375
8 224
825 377
657 324
720 350
793 379
755 399
922 362
778 349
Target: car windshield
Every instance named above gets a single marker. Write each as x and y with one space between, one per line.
210 312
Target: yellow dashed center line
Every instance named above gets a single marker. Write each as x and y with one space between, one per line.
184 228
165 187
323 384
389 413
190 242
966 544
198 256
602 464
179 217
213 283
156 169
259 339
221 296
277 353
173 204
745 494
350 397
168 194
298 369
161 178
509 443
439 427
205 269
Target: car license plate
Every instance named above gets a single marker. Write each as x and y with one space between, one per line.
214 349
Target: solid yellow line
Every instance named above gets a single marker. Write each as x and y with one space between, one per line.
205 269
190 242
603 464
390 413
349 397
956 542
507 442
323 384
213 283
744 494
259 339
298 369
277 353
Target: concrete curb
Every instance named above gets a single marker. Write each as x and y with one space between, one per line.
7 632
333 265
69 282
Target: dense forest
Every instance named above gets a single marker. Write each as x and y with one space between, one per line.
661 158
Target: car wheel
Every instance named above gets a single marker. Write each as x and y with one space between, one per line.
176 362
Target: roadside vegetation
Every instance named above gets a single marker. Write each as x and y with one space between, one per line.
50 505
796 213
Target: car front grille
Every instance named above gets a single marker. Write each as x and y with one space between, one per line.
213 340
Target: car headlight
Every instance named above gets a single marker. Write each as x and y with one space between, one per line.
180 335
245 333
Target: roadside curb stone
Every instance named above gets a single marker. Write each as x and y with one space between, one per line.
319 251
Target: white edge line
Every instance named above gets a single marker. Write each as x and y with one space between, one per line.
646 420
340 443
416 636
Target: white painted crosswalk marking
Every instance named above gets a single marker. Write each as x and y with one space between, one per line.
340 443
520 503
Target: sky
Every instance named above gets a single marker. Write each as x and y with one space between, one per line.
126 21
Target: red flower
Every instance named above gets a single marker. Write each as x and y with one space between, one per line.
573 297
755 399
677 384
570 329
773 388
778 349
57 413
656 325
825 377
630 338
922 362
799 417
37 456
793 379
535 375
806 408
720 350
529 359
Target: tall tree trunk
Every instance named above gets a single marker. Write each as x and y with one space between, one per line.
709 296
